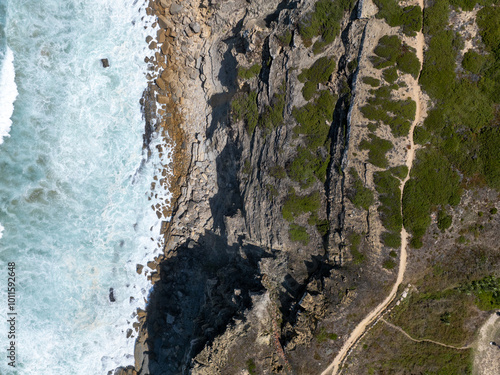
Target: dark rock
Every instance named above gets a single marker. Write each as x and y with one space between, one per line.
195 26
105 63
111 295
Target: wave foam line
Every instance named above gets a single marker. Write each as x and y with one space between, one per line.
8 94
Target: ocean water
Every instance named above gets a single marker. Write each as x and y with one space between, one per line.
75 212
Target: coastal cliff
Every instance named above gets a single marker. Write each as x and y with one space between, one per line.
285 227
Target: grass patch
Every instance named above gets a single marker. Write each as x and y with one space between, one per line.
323 335
359 195
285 39
377 147
277 171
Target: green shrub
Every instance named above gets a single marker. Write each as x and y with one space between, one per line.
432 182
277 171
306 166
389 191
398 114
323 335
391 51
251 367
390 74
377 147
359 195
489 148
392 239
296 205
473 61
355 240
298 233
486 291
248 73
374 82
493 211
393 254
352 66
273 114
444 220
319 72
389 264
314 118
244 107
401 171
286 38
324 20
409 18
323 226
421 135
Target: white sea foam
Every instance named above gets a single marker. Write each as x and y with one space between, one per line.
1 230
76 225
8 93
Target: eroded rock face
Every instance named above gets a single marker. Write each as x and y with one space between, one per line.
233 288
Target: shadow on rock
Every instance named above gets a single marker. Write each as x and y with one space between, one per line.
203 287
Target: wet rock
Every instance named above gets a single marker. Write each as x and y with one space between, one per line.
139 268
105 63
111 295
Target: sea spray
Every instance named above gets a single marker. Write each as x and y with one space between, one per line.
8 91
75 223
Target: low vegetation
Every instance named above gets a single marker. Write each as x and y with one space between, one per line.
388 188
298 233
359 195
377 148
392 52
460 133
409 18
355 240
296 205
244 107
398 114
319 72
324 21
248 73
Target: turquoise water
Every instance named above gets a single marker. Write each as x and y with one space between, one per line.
73 202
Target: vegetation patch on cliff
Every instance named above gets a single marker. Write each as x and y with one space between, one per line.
409 17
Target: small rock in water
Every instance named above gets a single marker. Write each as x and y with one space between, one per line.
111 295
105 63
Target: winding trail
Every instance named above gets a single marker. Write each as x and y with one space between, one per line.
424 340
376 313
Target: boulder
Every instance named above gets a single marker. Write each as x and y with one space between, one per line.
160 83
175 9
105 63
195 26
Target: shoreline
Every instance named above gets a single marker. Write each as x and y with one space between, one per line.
175 70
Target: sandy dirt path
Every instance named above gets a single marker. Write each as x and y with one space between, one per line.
486 356
375 314
424 340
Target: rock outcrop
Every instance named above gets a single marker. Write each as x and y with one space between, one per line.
235 291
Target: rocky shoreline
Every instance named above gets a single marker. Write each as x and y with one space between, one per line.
233 290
